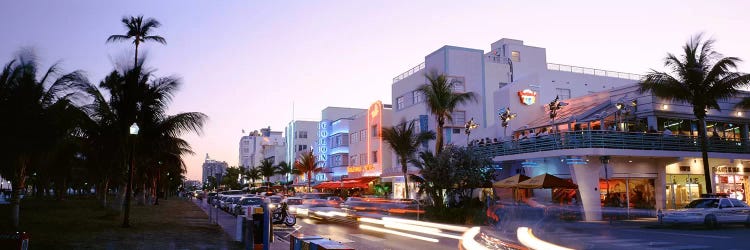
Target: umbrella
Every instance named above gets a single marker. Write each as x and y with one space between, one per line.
546 181
510 182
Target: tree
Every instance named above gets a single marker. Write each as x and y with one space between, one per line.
139 31
442 100
33 102
306 163
230 179
253 174
267 169
285 169
700 77
404 140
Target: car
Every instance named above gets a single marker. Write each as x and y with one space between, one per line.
246 202
292 203
230 203
334 201
273 201
711 212
211 196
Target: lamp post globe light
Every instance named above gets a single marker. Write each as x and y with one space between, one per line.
470 125
554 106
129 188
505 117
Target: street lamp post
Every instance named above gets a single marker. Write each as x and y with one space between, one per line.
554 106
619 107
505 117
605 161
129 188
470 125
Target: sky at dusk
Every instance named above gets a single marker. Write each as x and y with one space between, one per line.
243 63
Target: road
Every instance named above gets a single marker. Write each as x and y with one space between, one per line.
346 232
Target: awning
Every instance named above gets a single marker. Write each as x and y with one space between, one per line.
546 181
510 182
362 182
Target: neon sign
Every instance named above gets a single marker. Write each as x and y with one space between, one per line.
322 143
527 96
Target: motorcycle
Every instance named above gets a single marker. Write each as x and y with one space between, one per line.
281 215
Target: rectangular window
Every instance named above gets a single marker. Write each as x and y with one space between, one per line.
353 160
456 130
418 96
400 103
374 132
362 159
563 93
458 83
302 134
363 135
375 156
459 117
515 56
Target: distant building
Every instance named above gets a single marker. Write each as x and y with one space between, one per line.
262 144
301 136
214 168
192 184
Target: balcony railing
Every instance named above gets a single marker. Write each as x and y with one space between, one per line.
591 71
610 140
408 73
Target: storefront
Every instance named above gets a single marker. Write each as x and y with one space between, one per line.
683 188
732 180
628 193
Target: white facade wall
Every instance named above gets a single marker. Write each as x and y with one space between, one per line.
300 136
363 144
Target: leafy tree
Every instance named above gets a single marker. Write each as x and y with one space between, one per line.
456 170
700 77
33 102
230 179
404 140
307 163
441 100
253 174
139 31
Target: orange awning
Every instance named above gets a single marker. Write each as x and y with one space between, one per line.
362 182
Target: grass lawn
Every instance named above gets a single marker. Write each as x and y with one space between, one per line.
83 224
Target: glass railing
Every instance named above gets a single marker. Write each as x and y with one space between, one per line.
592 71
611 140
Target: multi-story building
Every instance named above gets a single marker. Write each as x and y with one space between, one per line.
369 155
598 138
300 137
262 144
214 168
332 150
192 184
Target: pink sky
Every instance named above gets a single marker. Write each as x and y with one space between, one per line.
244 63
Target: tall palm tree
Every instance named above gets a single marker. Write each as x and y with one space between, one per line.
267 169
307 163
253 174
33 102
442 100
139 31
404 140
285 170
700 77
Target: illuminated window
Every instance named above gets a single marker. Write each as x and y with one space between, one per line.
375 156
400 103
515 56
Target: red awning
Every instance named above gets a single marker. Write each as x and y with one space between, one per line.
362 182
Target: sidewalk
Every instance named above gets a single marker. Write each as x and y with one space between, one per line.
228 224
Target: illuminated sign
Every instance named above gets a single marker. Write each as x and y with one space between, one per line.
357 169
527 96
322 143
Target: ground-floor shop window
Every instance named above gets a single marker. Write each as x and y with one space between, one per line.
732 185
683 188
629 192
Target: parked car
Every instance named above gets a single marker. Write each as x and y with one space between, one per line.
711 212
246 202
211 196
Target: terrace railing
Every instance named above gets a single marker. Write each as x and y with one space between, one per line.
611 140
592 71
408 73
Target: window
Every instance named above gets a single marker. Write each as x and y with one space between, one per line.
302 134
456 130
725 203
353 138
400 103
375 156
563 93
362 159
363 135
459 117
375 132
353 160
458 83
515 56
418 96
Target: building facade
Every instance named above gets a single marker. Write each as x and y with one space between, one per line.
332 150
301 136
214 168
368 154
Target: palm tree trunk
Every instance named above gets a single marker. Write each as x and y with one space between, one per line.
704 153
439 138
309 181
18 183
135 65
404 168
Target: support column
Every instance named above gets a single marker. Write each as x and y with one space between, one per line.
651 122
660 191
587 178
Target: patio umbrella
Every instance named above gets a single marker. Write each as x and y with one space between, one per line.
510 182
546 181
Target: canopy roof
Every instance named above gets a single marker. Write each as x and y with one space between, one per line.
510 182
362 182
546 181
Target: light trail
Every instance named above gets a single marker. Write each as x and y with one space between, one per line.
527 238
427 224
394 232
468 242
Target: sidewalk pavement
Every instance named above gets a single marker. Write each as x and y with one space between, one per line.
228 224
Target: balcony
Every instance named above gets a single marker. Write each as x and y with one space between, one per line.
611 140
592 71
409 72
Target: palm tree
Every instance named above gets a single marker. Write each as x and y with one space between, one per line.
285 170
138 30
700 77
442 100
267 169
404 140
306 163
253 174
33 103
